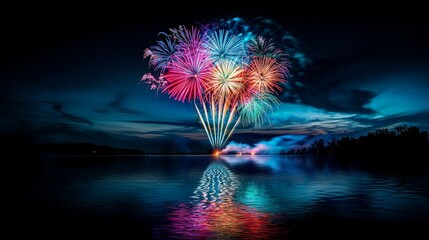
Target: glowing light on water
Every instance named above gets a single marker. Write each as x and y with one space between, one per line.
214 214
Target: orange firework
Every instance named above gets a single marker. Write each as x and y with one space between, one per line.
265 74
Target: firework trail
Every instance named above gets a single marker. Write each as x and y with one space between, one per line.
230 76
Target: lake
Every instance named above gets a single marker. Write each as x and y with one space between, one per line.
228 197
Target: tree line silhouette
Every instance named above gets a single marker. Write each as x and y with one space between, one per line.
402 140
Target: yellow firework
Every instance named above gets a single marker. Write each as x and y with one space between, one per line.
227 79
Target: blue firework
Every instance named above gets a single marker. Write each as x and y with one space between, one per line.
161 55
222 45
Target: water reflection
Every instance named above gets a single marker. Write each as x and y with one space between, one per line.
214 213
255 195
265 161
233 197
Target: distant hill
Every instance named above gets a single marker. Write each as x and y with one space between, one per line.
84 149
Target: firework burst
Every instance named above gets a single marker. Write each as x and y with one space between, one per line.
265 74
256 110
260 47
227 79
162 53
224 46
188 39
188 75
230 78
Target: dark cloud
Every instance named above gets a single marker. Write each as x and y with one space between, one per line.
180 124
59 108
337 99
170 142
421 119
346 54
118 105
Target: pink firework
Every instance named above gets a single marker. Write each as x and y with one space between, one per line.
189 39
153 82
188 76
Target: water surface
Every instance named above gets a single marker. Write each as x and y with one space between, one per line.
230 197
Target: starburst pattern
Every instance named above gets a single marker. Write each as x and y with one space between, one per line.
188 75
256 110
265 74
227 79
224 46
161 55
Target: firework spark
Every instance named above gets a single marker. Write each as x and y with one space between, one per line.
224 46
188 75
161 54
260 47
256 110
227 79
265 74
188 38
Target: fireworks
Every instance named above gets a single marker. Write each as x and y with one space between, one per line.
262 48
229 78
256 110
162 53
188 75
224 46
265 74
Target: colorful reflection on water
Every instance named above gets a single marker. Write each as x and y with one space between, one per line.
228 197
214 213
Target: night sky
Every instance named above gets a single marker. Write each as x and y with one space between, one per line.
72 75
